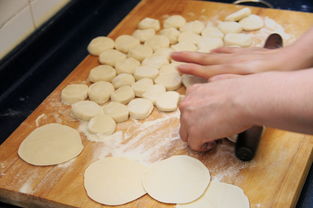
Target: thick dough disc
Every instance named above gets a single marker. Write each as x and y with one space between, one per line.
102 73
118 111
122 80
125 42
111 57
100 92
158 41
146 72
50 144
102 124
140 52
141 86
167 101
149 23
176 21
229 27
85 110
238 39
238 15
144 34
73 93
123 94
128 66
140 108
99 44
252 22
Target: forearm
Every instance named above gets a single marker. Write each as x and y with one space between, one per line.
282 100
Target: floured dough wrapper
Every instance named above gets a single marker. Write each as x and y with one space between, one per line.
149 23
189 37
50 144
143 35
171 33
111 57
252 22
170 80
146 72
153 92
213 32
117 111
229 27
175 21
102 73
140 108
100 92
238 39
167 101
238 15
114 181
158 41
125 42
140 52
195 26
189 80
122 80
127 66
185 46
220 195
206 44
155 61
178 179
101 124
73 93
141 86
85 110
100 44
123 95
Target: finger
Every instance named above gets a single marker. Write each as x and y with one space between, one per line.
226 50
208 146
183 132
223 76
195 144
199 58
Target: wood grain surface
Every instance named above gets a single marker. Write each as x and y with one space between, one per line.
273 179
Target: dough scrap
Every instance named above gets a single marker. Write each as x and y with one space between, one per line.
189 80
170 80
123 94
85 110
195 26
153 92
206 44
100 92
100 44
238 39
229 27
213 32
167 101
175 21
102 124
140 108
111 57
171 33
119 112
220 195
73 93
238 15
178 179
114 181
122 80
102 73
158 41
127 66
140 52
146 72
155 61
50 144
143 35
149 23
252 22
125 42
141 86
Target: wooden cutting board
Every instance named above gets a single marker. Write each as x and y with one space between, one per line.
273 179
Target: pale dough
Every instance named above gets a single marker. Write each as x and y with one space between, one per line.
252 22
141 86
229 27
164 52
189 80
189 37
149 23
206 44
212 31
146 72
125 42
175 21
238 39
50 144
99 44
171 33
102 124
73 93
117 111
153 92
111 57
100 92
123 94
167 101
158 41
85 110
238 15
127 66
194 26
140 52
102 73
140 108
184 46
143 35
170 80
169 68
155 61
178 179
114 181
220 195
122 80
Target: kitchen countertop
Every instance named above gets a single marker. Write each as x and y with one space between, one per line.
54 50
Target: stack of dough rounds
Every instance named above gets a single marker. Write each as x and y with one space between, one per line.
141 86
153 92
125 42
167 101
170 80
111 57
149 23
100 92
140 52
73 93
127 66
101 124
143 35
100 44
122 80
140 108
123 94
229 27
117 111
85 110
158 41
176 21
146 72
102 73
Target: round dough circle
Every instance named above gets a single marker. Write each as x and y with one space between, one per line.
167 101
170 80
153 92
111 57
155 61
184 46
122 80
102 124
146 72
123 94
102 73
140 108
169 68
141 86
238 39
193 26
149 23
125 42
140 52
144 35
73 93
178 179
158 41
229 27
100 92
114 181
212 31
238 15
50 144
127 66
176 21
252 22
189 37
100 44
171 33
206 44
117 111
85 110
